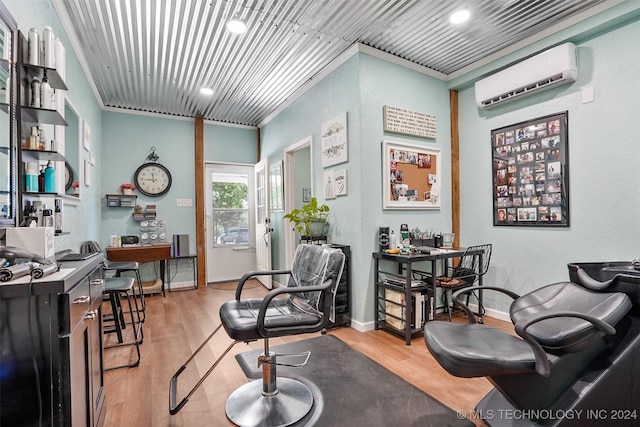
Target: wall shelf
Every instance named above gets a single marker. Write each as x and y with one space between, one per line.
41 155
54 78
42 115
121 200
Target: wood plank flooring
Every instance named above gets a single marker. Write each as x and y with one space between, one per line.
179 322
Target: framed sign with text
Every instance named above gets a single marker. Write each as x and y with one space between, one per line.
531 173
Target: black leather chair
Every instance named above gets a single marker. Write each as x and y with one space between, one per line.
307 307
563 331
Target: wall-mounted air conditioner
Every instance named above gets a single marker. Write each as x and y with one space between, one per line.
548 69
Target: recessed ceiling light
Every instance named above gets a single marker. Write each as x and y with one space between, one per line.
460 16
206 91
236 26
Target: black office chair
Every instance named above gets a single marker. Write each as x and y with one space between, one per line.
308 307
473 264
565 333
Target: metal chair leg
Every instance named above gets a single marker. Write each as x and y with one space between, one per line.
173 384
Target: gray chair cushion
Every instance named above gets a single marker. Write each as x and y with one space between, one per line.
476 350
565 333
240 318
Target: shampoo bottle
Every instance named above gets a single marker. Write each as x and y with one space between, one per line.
49 178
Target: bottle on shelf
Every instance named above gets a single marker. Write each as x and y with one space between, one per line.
42 140
34 47
35 92
47 218
45 93
39 208
31 177
57 216
49 178
48 48
41 180
393 241
34 138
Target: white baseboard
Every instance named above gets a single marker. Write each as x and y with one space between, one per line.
370 326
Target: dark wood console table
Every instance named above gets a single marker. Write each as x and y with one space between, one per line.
149 253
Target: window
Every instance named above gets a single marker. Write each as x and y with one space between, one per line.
230 200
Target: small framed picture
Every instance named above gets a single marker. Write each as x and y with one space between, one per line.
86 136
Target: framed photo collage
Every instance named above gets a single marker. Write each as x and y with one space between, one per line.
530 173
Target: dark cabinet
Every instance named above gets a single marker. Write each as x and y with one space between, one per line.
343 294
51 354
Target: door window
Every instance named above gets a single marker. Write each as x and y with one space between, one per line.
230 208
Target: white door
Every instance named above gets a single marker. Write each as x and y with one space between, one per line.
263 222
230 221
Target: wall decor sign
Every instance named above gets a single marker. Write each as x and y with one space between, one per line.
329 185
306 195
86 136
410 176
411 123
531 173
340 180
335 145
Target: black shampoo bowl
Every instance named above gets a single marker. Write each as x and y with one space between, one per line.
615 276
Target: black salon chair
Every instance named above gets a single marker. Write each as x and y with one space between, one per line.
307 307
562 331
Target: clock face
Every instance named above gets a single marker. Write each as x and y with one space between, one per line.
152 179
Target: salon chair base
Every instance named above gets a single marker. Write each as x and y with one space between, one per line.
247 406
607 393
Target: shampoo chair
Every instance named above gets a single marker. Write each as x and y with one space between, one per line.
574 350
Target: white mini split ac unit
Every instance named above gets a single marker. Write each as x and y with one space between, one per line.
548 69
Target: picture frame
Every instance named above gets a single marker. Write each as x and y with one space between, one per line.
329 185
276 181
86 136
334 140
340 180
87 173
531 172
411 176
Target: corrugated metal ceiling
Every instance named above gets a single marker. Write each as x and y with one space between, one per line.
154 55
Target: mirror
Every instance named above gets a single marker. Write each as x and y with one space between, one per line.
8 153
72 146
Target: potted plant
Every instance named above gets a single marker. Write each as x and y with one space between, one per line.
127 189
311 219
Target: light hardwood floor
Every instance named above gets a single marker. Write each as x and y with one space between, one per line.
179 322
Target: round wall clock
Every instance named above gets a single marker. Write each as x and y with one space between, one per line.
152 179
68 176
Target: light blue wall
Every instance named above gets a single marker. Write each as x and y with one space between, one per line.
129 138
231 144
82 220
361 87
603 153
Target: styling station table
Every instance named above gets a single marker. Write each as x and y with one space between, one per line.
404 272
148 253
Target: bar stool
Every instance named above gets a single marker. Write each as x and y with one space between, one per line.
116 288
119 267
